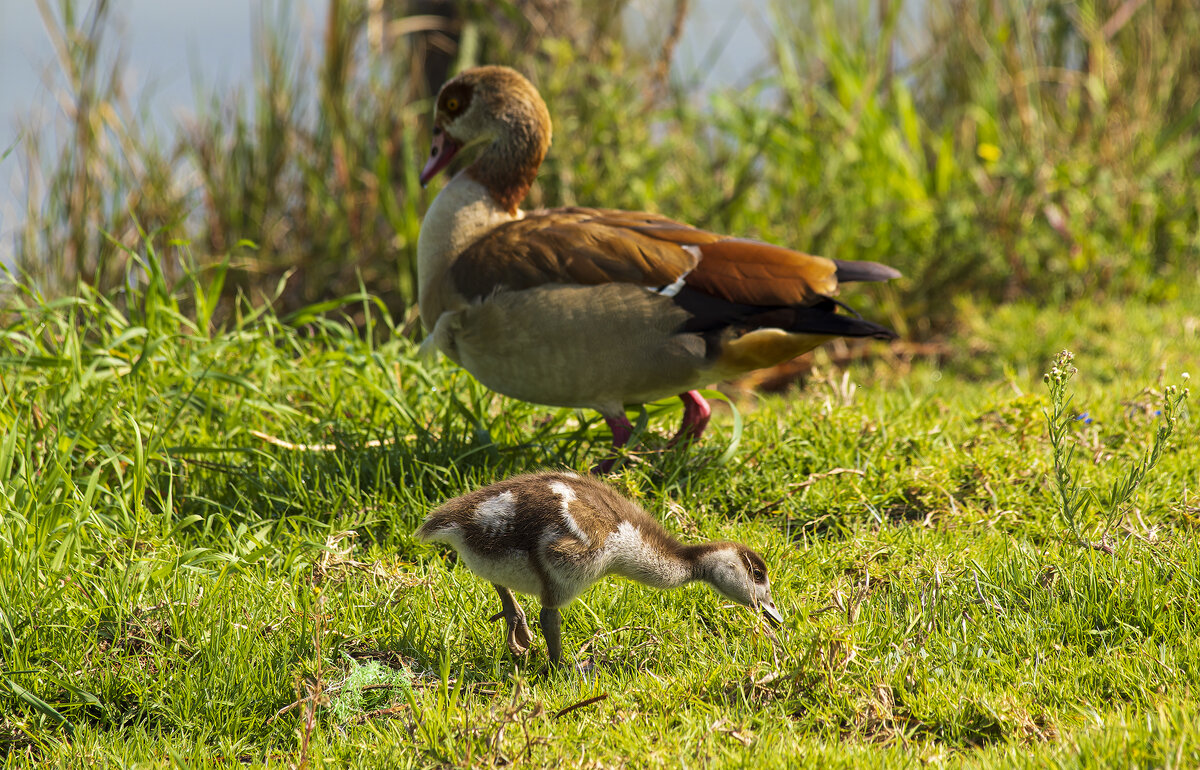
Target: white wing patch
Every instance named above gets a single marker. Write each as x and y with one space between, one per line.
495 514
673 288
567 494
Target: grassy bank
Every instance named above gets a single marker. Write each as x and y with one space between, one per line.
216 436
207 530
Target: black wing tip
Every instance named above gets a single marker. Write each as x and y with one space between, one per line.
854 325
824 320
861 328
709 314
849 271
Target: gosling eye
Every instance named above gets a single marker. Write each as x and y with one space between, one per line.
756 572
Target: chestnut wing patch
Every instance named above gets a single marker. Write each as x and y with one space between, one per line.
756 273
595 246
577 246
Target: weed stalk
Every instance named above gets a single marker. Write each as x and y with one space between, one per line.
1075 500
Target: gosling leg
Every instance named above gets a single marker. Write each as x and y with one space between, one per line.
518 635
551 623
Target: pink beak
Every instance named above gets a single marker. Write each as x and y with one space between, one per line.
440 154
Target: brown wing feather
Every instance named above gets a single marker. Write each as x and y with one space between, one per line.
596 246
755 273
581 246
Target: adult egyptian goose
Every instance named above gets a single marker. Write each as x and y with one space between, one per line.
599 308
554 534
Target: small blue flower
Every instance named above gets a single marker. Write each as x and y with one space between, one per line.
1085 418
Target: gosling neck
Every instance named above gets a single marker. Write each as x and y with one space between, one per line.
705 559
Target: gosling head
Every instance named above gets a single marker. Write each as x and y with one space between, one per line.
494 106
740 574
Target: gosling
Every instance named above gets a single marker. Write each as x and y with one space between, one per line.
553 534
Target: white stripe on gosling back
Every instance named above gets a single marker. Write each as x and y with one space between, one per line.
496 513
567 495
554 534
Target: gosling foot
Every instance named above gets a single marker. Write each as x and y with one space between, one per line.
517 636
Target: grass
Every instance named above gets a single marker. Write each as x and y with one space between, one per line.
179 582
211 467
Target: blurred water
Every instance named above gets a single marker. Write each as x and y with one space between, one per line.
171 46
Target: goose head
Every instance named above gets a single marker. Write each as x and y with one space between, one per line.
497 110
740 574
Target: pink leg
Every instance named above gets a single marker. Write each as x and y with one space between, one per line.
621 429
696 413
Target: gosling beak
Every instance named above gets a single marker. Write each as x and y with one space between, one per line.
768 609
440 154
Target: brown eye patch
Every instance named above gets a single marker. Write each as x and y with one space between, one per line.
454 99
